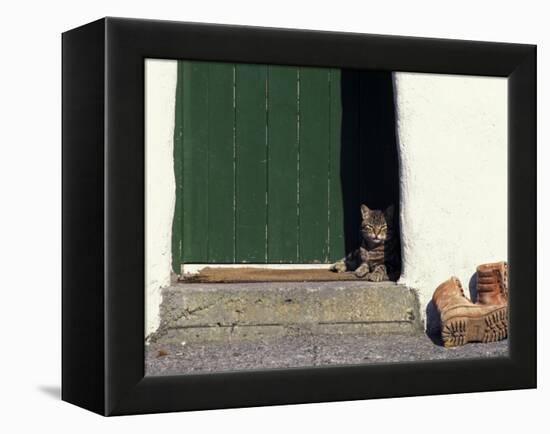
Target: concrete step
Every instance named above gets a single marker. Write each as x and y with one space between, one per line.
248 311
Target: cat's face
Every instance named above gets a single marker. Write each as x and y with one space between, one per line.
376 225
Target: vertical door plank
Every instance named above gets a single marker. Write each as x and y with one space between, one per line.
336 205
195 161
282 238
314 157
177 223
221 237
251 162
350 162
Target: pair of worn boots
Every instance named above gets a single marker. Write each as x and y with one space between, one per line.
486 320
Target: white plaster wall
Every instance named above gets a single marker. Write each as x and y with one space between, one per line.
160 93
452 138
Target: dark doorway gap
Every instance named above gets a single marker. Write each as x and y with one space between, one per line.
369 162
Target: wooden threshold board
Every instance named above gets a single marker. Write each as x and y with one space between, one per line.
249 274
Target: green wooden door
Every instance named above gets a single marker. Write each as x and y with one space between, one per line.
257 164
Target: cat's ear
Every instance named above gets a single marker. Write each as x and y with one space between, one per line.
390 211
365 211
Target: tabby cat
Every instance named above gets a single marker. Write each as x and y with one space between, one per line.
378 257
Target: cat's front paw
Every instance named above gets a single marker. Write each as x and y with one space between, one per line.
374 277
339 267
378 275
362 271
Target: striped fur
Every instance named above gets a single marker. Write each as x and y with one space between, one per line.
378 257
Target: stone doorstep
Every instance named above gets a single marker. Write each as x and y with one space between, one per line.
193 312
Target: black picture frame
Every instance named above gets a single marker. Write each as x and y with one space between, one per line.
103 215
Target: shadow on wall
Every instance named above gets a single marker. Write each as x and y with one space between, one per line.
51 391
433 323
472 287
369 166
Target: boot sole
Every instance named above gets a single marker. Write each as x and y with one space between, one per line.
490 327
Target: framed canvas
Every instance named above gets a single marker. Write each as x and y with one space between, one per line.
220 181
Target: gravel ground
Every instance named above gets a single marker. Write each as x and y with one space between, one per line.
304 351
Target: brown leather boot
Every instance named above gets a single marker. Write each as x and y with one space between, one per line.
492 283
463 321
